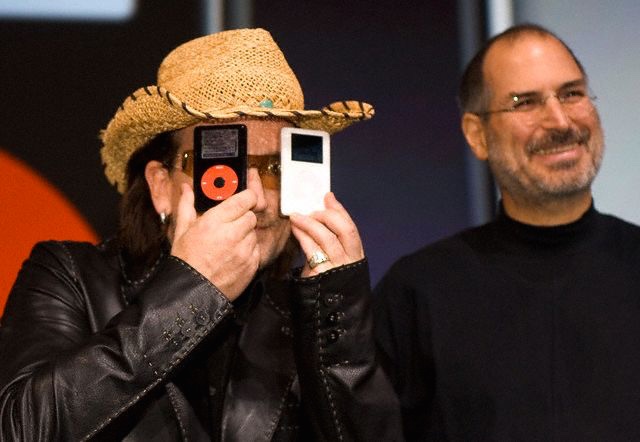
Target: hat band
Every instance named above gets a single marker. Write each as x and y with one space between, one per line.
354 110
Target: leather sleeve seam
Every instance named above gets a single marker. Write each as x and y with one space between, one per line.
322 371
72 262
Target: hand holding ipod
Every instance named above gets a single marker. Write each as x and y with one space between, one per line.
220 243
332 231
305 170
220 163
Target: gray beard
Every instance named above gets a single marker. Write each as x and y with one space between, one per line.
540 190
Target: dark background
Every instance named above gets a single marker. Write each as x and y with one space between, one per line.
402 175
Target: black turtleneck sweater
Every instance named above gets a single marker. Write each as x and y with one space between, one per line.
513 332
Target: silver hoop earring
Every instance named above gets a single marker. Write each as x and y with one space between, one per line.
163 218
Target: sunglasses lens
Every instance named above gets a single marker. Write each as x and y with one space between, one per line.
268 167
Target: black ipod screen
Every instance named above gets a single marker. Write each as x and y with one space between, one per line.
306 148
219 143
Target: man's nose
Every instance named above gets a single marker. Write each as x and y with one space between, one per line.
554 114
255 183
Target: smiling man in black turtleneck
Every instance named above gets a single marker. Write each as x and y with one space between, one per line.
525 328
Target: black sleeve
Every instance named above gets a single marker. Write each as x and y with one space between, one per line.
345 393
62 380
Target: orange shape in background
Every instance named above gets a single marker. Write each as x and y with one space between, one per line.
32 210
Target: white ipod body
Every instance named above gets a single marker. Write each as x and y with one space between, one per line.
305 170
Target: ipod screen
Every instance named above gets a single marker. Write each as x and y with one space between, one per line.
307 148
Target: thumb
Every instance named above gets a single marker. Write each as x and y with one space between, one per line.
186 213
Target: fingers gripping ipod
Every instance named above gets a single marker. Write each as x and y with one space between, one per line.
305 170
220 163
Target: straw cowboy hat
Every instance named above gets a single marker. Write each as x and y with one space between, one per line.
231 74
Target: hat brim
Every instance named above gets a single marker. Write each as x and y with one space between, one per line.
152 110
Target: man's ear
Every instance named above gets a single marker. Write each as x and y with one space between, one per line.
474 132
160 188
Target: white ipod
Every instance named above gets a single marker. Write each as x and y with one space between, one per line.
305 170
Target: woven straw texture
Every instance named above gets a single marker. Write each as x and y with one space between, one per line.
231 74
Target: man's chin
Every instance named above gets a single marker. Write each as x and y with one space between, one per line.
271 250
268 253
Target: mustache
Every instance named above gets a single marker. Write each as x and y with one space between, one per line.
265 222
554 139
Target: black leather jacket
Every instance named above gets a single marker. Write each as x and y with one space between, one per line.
87 353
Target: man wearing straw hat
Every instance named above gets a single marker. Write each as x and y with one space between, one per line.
191 326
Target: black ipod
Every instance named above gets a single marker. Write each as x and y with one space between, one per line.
219 163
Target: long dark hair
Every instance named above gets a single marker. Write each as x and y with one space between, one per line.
141 235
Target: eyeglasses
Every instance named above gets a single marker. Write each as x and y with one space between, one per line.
268 167
571 98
